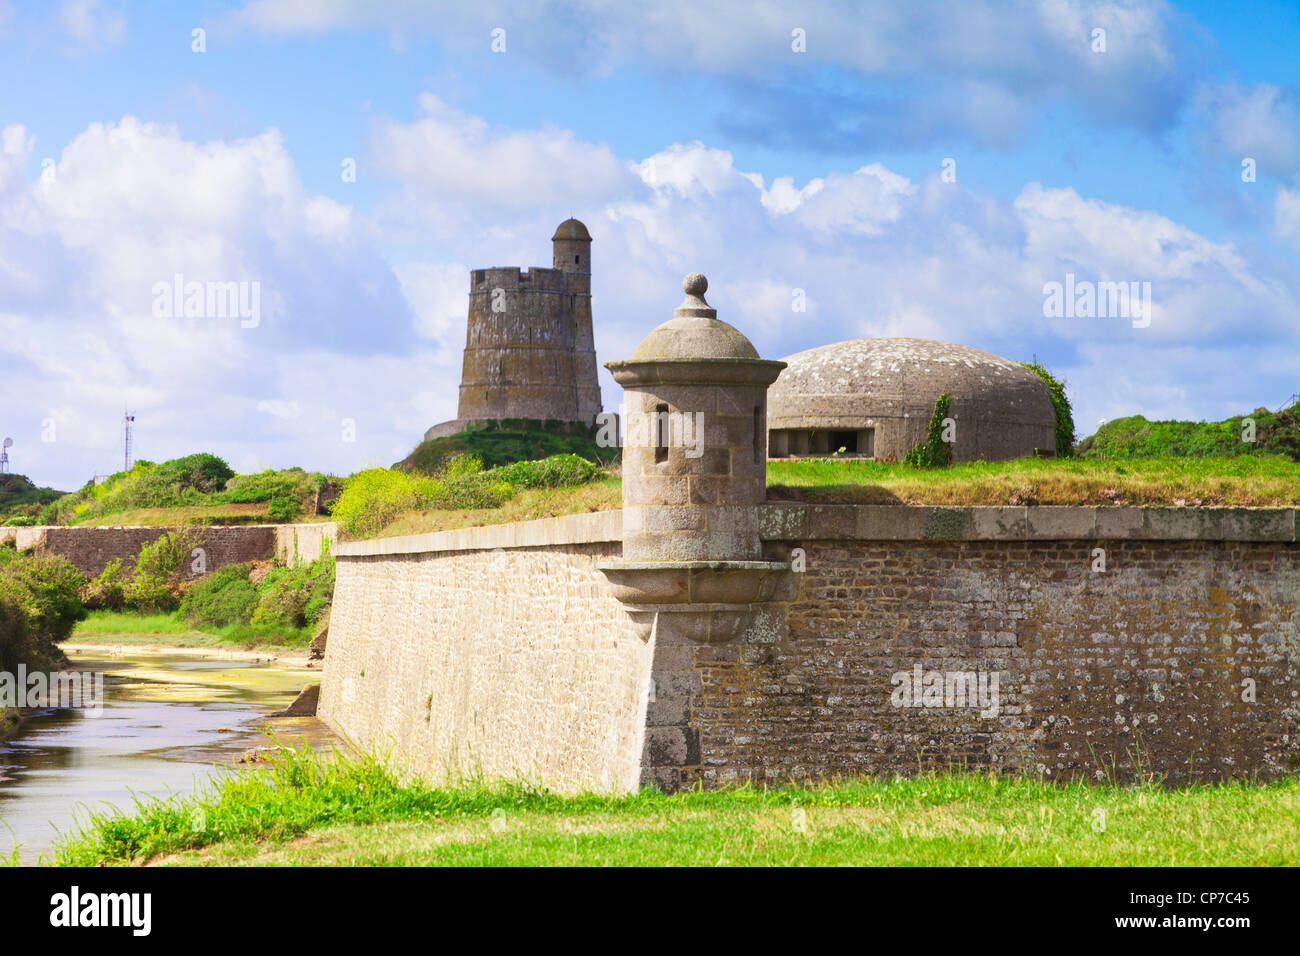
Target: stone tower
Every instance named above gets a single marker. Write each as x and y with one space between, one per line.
529 352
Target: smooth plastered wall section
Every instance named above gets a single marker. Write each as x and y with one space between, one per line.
511 665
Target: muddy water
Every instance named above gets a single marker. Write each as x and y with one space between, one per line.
166 722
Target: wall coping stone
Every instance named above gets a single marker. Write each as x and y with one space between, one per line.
801 521
792 521
589 528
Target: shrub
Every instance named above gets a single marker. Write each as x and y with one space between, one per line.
558 471
1061 406
223 598
371 499
157 571
282 606
181 481
293 598
500 443
282 509
462 483
40 604
107 590
934 451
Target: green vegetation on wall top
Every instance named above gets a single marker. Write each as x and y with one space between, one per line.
372 499
1274 433
195 480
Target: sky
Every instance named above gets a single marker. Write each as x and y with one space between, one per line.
837 170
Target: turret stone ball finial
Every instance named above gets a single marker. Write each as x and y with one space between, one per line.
695 284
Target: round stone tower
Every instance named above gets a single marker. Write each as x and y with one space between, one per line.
529 352
694 477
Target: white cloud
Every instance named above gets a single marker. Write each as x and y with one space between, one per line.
988 63
1286 214
93 24
362 332
1261 122
130 206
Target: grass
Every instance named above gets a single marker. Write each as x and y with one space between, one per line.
1243 481
1255 481
242 513
526 505
304 809
1252 481
169 630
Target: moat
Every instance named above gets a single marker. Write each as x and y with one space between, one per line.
167 722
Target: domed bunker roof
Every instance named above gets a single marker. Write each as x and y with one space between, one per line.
1003 409
571 229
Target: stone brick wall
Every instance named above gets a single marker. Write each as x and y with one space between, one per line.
512 664
1139 667
501 650
90 549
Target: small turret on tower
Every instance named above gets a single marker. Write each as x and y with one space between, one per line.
571 249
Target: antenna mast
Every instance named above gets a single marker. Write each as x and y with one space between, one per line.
4 455
128 421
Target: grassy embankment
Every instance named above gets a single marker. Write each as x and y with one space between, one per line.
393 505
1246 481
308 809
198 489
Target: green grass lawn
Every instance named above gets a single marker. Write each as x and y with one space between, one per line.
305 809
170 630
1250 481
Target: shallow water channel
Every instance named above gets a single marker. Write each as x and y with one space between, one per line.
167 720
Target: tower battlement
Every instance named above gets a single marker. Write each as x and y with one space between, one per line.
512 278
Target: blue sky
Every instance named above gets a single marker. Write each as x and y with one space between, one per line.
687 136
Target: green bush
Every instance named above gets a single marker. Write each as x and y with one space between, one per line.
107 590
1061 406
558 471
1276 433
223 598
371 499
934 451
157 571
282 509
40 604
294 598
462 483
280 607
19 496
288 493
